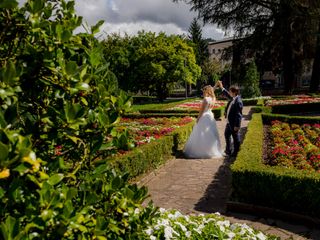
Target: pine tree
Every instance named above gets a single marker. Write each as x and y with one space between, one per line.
200 45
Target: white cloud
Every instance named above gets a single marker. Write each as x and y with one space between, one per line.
134 27
131 16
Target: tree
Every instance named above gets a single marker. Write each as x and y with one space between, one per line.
200 47
315 78
275 26
250 82
150 62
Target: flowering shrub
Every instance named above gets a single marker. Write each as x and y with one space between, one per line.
144 130
296 146
173 225
195 105
295 99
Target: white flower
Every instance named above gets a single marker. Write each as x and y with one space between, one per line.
231 235
188 234
261 236
137 211
169 232
149 231
153 238
162 210
177 214
32 155
183 228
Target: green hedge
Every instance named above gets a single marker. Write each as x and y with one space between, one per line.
143 99
277 187
268 118
150 156
296 108
249 102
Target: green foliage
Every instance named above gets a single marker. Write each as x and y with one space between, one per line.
58 101
254 182
296 108
147 62
250 83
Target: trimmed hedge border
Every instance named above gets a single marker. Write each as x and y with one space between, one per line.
295 108
268 118
276 187
150 156
249 102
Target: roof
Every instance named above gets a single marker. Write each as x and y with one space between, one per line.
231 39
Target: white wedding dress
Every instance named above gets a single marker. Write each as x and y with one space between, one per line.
204 141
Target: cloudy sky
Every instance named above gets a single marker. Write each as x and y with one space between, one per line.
130 16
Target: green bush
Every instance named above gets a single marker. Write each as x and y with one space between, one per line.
249 102
251 82
272 186
268 118
58 101
150 156
296 108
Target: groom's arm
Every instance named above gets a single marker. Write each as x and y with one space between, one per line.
226 92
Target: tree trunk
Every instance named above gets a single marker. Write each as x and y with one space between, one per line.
315 78
288 60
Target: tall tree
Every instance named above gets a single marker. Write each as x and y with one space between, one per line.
200 47
315 79
262 21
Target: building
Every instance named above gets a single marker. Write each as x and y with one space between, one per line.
217 48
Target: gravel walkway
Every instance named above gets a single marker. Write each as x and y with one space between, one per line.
203 186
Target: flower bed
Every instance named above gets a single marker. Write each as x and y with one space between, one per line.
173 225
295 146
295 99
145 130
279 187
195 105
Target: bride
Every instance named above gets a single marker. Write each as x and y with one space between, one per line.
204 141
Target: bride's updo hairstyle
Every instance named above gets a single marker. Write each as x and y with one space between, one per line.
209 91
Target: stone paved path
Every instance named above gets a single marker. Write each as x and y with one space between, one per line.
203 186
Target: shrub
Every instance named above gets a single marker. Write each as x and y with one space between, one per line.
251 82
278 187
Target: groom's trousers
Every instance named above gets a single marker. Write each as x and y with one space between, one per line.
236 140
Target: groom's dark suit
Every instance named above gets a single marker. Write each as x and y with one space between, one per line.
233 114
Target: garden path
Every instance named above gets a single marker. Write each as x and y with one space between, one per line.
203 186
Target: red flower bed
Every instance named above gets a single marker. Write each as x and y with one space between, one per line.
195 105
295 99
144 130
296 146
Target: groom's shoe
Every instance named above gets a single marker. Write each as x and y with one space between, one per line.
234 154
226 154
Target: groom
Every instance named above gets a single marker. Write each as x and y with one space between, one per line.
233 114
